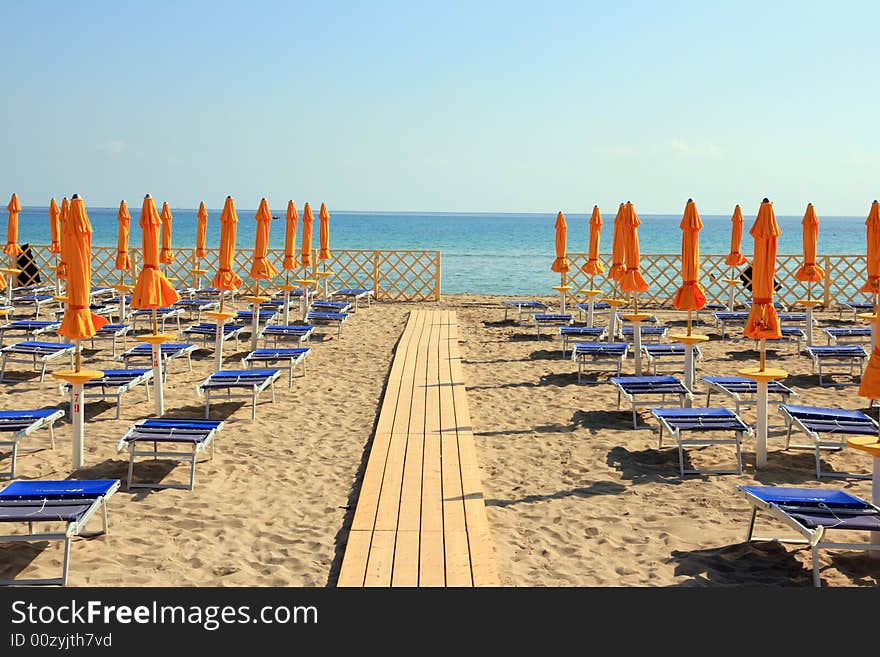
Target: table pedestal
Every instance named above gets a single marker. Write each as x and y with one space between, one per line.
255 317
77 381
286 314
562 290
732 284
122 289
197 277
637 338
689 369
612 320
591 301
871 318
809 304
305 284
10 274
871 445
220 319
155 340
324 275
763 378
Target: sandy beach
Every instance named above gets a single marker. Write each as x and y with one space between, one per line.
575 496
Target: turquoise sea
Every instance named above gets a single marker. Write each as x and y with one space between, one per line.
483 253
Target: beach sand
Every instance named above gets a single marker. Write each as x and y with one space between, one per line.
575 496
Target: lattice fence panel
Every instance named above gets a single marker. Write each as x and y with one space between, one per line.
409 275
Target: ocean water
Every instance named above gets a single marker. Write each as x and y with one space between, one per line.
482 253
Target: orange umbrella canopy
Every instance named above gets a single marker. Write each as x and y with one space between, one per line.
618 248
873 223
261 267
324 233
226 278
166 256
632 280
691 295
810 271
763 323
55 226
202 231
735 258
308 220
152 289
560 264
61 270
290 237
12 248
123 262
593 267
79 321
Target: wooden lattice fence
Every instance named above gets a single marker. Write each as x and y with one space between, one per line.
393 275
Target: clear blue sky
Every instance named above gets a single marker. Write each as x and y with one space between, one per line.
455 106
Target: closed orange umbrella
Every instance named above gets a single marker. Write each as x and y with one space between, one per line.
308 220
618 248
79 321
324 233
261 267
12 248
152 289
632 280
123 262
166 256
55 226
735 258
202 231
810 271
593 267
561 264
290 237
873 223
61 270
226 278
763 323
691 295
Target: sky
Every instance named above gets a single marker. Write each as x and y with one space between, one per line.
446 106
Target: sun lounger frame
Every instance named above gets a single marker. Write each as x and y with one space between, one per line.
162 315
680 391
302 333
291 356
710 416
114 386
209 387
145 351
207 332
849 356
740 398
599 352
355 295
327 319
578 333
669 353
11 439
46 352
519 304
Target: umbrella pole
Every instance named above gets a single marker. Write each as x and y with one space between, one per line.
57 279
286 314
156 347
76 414
591 302
763 354
218 343
11 278
690 321
255 318
732 289
121 296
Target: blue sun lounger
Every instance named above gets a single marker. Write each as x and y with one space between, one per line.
684 422
15 425
522 304
580 334
246 317
827 428
648 333
672 354
855 307
162 315
23 290
598 306
811 512
169 351
207 332
320 306
585 354
843 335
842 355
251 382
35 300
327 319
636 388
792 333
354 295
114 384
28 327
195 435
723 319
277 305
36 354
742 390
299 332
111 332
195 307
69 502
620 319
541 320
99 292
291 357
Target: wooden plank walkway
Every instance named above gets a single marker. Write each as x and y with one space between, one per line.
420 518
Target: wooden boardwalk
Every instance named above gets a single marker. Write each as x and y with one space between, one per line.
420 518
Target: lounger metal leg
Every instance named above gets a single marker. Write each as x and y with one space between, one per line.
817 581
130 464
751 525
66 562
192 470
